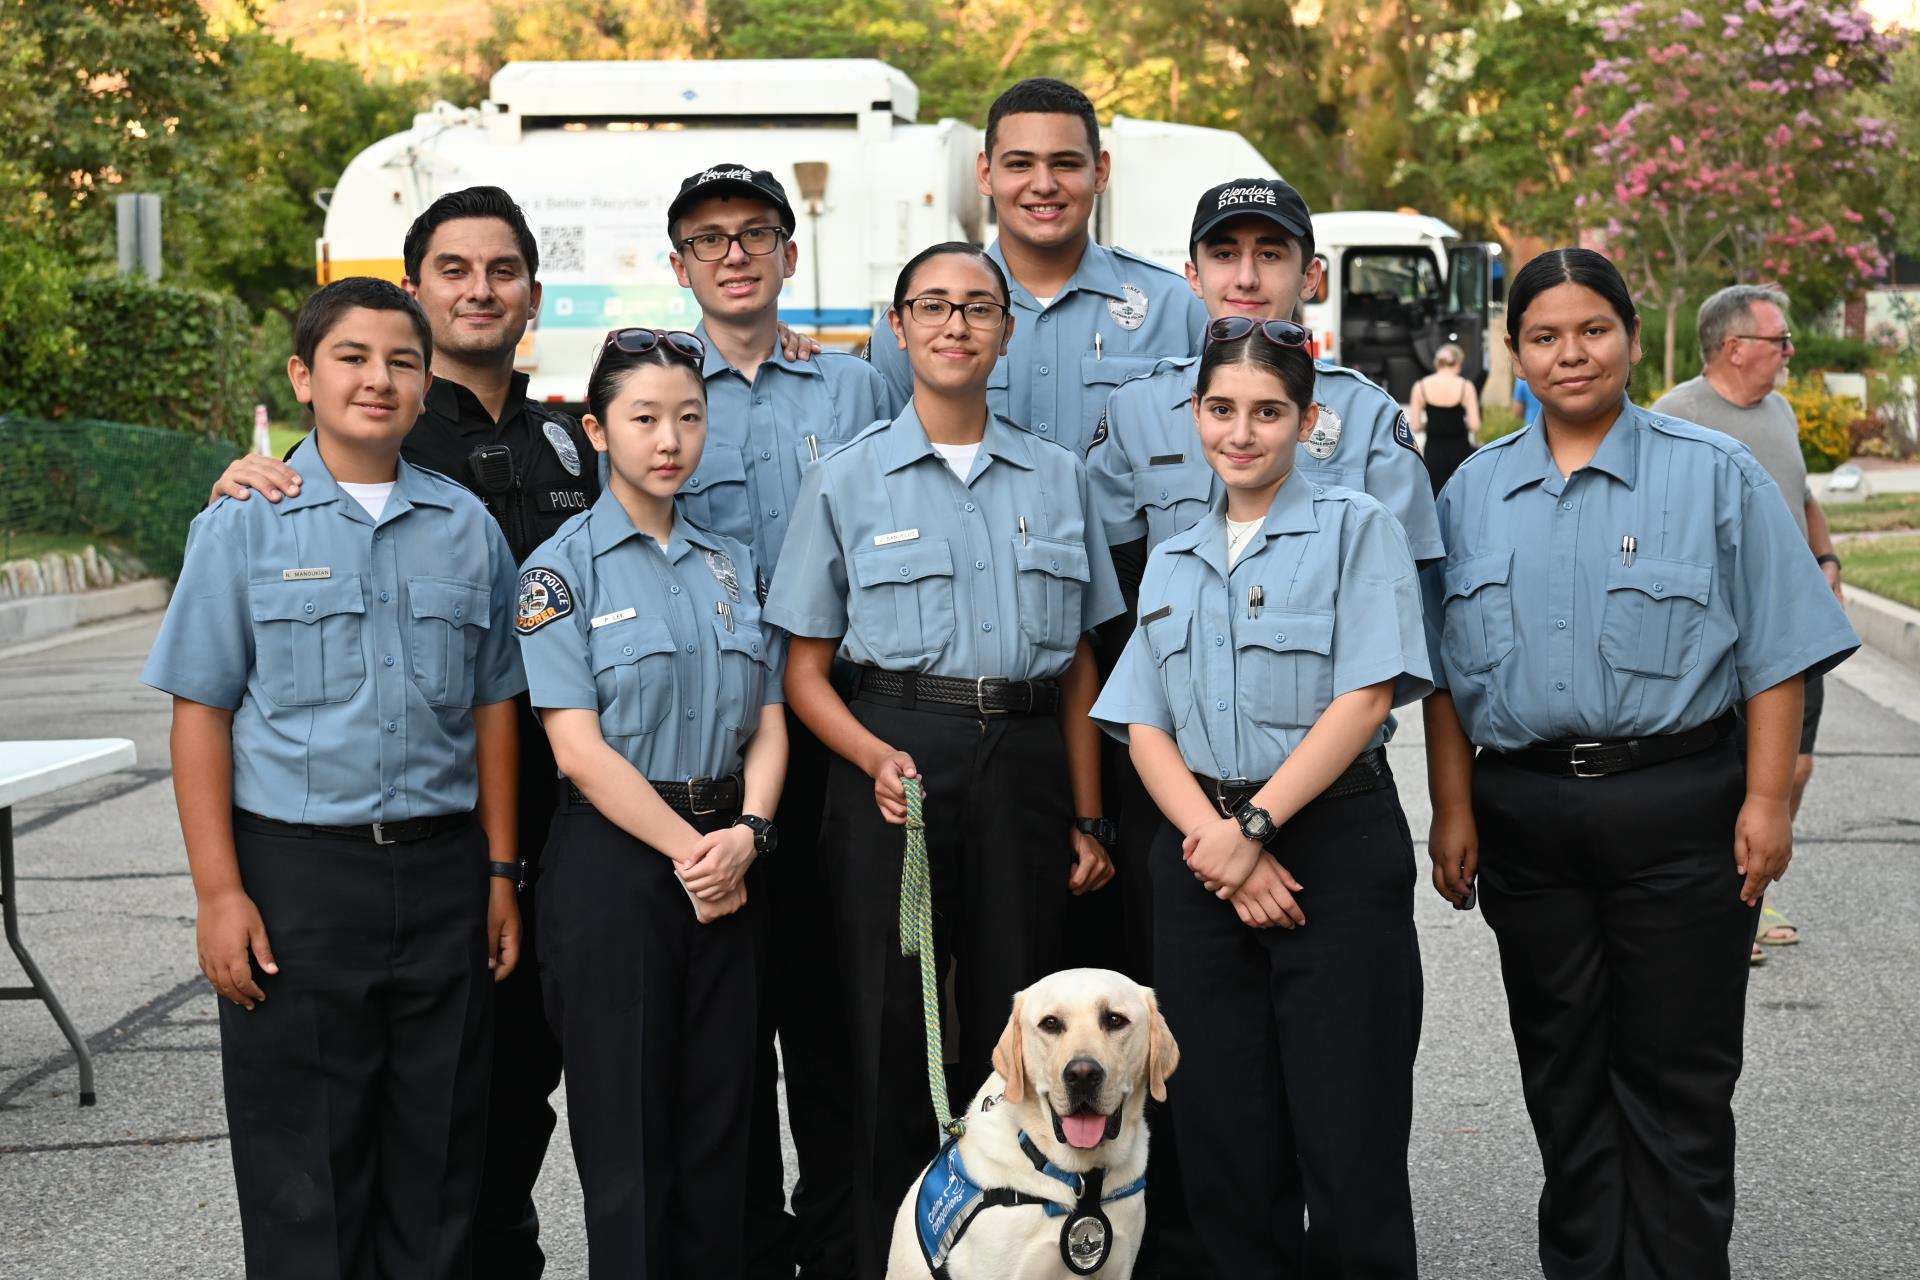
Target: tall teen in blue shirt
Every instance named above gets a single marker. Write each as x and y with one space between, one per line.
343 675
1274 636
1615 582
955 563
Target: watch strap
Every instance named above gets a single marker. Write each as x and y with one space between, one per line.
514 871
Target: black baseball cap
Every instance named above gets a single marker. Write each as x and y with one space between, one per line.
1269 198
732 180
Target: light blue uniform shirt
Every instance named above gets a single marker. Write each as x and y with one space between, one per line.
1055 378
761 435
1239 686
350 652
1150 479
1543 634
668 643
920 572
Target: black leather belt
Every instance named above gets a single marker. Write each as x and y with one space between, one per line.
1365 774
1598 759
373 833
694 798
987 696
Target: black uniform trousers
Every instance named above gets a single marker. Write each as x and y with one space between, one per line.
526 1054
999 816
1294 1097
1623 945
655 1013
356 1093
802 1004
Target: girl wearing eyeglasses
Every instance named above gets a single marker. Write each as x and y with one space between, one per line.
949 561
659 686
1273 638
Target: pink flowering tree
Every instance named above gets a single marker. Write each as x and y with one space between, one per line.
1729 141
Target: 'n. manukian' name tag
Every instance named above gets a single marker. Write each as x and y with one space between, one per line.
1166 459
888 539
608 618
304 575
1164 611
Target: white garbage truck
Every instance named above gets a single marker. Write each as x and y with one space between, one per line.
595 151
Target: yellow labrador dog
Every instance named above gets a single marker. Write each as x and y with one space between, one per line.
1048 1182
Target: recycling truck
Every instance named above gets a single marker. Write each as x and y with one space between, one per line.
595 151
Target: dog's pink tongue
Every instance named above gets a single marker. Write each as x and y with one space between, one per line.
1085 1131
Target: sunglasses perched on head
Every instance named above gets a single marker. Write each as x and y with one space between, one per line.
1282 333
637 342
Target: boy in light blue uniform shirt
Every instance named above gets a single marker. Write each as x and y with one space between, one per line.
1086 317
769 415
343 671
1252 246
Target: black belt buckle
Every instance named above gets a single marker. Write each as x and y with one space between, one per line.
1574 761
1221 802
980 697
693 802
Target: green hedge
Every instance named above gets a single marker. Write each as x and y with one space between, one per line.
163 356
137 486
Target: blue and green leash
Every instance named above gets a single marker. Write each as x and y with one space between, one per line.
916 939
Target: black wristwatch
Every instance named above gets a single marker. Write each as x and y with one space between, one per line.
1828 558
1104 830
1256 824
766 836
514 871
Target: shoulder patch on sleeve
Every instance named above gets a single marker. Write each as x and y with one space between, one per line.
1403 431
1099 431
544 597
760 584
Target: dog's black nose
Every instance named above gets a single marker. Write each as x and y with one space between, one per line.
1083 1075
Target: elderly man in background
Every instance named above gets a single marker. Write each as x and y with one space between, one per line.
1745 345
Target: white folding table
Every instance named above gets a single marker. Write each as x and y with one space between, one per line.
28 770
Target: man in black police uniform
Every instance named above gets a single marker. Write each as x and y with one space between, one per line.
472 262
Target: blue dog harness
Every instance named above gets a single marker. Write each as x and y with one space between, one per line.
949 1201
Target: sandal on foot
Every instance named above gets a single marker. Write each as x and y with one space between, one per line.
1776 930
1759 956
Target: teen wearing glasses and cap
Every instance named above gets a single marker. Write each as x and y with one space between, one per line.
769 418
1274 636
659 687
1615 582
955 563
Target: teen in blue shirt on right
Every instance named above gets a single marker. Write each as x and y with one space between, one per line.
1274 636
1615 582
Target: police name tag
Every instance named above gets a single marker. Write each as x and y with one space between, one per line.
608 619
888 539
304 575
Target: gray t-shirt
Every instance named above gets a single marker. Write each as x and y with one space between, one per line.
1769 429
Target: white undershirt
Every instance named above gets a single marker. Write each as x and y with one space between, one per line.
371 497
959 457
1240 535
1044 302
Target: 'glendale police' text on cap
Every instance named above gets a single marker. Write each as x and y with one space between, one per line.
1269 198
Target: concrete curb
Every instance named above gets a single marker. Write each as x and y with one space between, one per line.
37 617
1887 625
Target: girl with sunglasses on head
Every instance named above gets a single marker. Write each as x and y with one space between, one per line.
659 686
951 562
1273 638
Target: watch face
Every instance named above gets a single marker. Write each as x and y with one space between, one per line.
1255 824
770 839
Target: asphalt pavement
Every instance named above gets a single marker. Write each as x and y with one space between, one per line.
141 1185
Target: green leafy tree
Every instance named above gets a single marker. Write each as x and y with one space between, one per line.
1729 143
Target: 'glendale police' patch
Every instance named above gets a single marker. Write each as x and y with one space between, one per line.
1099 432
1403 432
1131 312
544 596
563 445
1325 437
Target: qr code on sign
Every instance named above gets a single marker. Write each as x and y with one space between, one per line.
563 248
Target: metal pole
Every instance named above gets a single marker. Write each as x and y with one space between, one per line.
40 990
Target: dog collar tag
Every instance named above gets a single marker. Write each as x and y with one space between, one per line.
1086 1240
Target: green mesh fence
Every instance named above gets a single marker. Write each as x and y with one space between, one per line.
137 487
